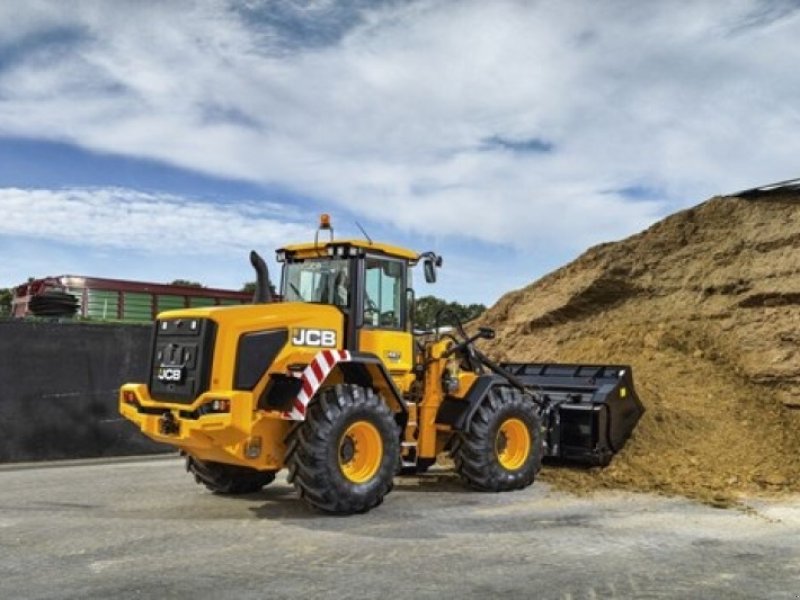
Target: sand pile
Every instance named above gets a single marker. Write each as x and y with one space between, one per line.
705 305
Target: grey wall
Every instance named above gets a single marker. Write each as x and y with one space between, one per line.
58 389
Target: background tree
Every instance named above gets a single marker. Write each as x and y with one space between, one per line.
428 306
187 283
250 288
5 301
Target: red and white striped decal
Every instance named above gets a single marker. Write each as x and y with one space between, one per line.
312 378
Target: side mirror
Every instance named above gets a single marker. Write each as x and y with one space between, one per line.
487 333
430 270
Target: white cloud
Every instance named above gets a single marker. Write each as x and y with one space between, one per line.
687 98
162 225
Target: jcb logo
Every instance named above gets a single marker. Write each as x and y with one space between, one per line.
323 338
174 374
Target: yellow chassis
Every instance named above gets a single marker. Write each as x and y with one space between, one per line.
230 437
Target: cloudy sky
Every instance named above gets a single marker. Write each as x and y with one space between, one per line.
162 140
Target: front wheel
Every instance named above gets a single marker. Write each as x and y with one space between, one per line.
342 458
502 447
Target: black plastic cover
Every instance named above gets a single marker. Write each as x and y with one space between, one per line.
180 369
255 354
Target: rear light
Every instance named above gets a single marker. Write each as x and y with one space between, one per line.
220 405
129 397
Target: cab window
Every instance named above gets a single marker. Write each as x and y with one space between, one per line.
383 293
323 280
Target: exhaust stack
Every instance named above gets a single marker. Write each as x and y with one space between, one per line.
263 293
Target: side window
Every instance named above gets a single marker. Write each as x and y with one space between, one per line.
383 293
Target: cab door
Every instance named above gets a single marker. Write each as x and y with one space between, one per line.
384 329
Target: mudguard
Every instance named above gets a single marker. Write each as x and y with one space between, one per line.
457 412
294 394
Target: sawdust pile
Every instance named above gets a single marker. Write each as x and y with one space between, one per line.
705 305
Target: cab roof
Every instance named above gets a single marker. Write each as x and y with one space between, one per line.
311 249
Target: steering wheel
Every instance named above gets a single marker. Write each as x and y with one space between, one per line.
371 310
387 318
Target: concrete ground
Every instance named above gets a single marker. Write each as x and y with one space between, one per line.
143 529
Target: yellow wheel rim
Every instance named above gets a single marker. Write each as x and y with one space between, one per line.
512 444
360 452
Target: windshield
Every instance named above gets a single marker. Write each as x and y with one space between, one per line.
323 280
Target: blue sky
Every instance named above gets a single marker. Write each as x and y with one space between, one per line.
154 141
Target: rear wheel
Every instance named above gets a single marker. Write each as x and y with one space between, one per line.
502 447
228 479
342 458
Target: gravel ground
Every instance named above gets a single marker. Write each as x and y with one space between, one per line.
143 529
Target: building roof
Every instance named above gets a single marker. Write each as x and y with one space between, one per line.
789 185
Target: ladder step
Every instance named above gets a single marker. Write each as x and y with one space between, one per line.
411 461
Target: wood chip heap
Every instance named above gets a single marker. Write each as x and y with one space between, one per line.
705 305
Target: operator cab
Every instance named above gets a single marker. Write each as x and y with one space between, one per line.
369 282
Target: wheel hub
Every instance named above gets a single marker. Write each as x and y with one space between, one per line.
360 452
347 450
512 445
502 442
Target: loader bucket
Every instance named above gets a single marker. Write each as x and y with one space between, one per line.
588 411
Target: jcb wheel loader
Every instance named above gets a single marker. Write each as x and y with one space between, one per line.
332 383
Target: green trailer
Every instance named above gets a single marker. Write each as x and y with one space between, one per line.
101 299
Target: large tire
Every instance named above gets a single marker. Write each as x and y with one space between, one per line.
342 458
501 449
228 479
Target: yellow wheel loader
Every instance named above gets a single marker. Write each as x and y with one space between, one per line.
333 384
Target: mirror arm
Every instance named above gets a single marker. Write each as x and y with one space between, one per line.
411 308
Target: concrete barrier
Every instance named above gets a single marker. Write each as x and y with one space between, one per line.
58 389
